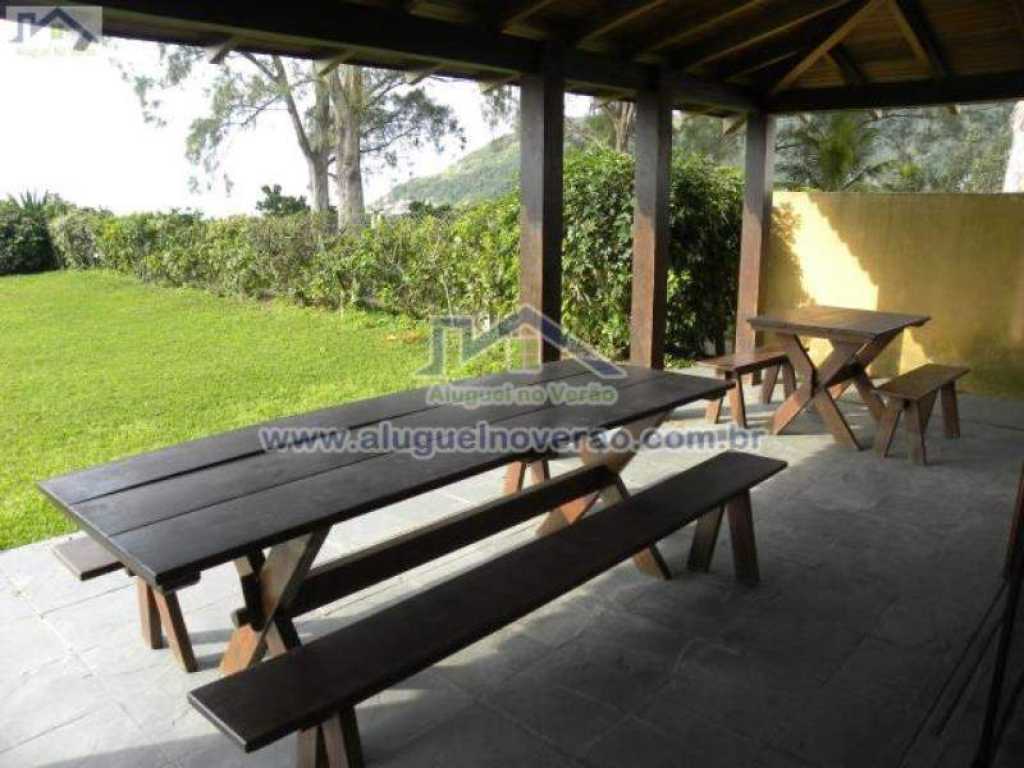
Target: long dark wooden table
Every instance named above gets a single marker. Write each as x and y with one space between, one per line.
171 514
857 337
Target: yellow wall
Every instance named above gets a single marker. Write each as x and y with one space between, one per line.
957 258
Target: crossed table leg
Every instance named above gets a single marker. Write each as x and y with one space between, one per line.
847 364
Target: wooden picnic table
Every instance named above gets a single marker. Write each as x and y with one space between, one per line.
857 336
169 515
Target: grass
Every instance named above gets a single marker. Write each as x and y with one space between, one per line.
96 366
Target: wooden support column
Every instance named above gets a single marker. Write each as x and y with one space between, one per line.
542 101
651 229
757 214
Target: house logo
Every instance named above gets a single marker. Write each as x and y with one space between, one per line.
56 29
528 325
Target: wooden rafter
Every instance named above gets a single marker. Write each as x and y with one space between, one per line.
418 76
920 36
611 21
1018 12
764 24
515 12
722 14
848 67
324 67
217 52
850 16
965 89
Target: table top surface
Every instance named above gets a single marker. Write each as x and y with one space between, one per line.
170 514
836 322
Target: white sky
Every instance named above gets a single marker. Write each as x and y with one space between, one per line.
71 125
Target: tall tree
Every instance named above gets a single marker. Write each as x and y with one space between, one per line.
833 152
1014 179
353 117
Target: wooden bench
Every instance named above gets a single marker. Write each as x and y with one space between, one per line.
313 689
159 613
733 367
914 394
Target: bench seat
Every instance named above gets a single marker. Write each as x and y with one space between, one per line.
85 558
159 613
315 687
912 396
771 360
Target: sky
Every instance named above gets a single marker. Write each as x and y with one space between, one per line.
72 125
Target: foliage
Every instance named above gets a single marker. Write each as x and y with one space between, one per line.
98 366
832 152
74 238
275 203
462 260
25 245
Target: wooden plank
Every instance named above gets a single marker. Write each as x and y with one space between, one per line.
177 548
187 457
651 227
950 411
613 20
965 89
542 132
757 215
838 323
917 30
705 537
331 673
738 404
747 362
349 575
85 558
847 65
149 616
760 25
922 381
702 22
173 622
140 506
835 31
520 10
744 546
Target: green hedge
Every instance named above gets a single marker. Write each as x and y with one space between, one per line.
463 261
25 245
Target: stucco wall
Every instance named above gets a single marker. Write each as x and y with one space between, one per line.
957 258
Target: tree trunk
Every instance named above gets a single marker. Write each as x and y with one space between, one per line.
318 160
347 92
1015 166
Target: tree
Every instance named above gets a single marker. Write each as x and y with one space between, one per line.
350 116
275 203
832 152
1014 178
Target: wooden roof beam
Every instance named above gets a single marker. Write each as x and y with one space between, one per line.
722 14
768 23
609 22
1018 11
418 76
920 36
1002 86
515 12
324 67
850 70
217 52
836 29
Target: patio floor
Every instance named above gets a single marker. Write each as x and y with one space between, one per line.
875 574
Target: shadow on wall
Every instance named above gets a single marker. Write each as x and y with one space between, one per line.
957 258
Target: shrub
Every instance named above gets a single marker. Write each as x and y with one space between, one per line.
74 238
25 245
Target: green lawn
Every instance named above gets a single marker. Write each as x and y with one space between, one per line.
95 366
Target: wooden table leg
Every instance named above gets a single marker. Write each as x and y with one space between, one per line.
865 356
744 547
887 427
771 378
702 549
515 475
814 389
173 623
738 403
149 616
279 581
649 561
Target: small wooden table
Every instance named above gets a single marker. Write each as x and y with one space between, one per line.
169 515
858 336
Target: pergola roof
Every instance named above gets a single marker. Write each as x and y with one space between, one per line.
719 55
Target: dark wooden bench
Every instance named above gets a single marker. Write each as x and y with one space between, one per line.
913 395
159 613
734 367
313 689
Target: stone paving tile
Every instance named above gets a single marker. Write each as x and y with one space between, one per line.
13 605
40 578
27 644
104 738
478 737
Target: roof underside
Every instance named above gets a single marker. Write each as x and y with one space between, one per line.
720 56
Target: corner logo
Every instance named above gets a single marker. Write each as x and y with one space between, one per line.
84 22
528 323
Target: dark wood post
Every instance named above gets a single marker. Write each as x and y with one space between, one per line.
757 215
542 103
651 226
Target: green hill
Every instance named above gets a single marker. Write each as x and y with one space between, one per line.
487 172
